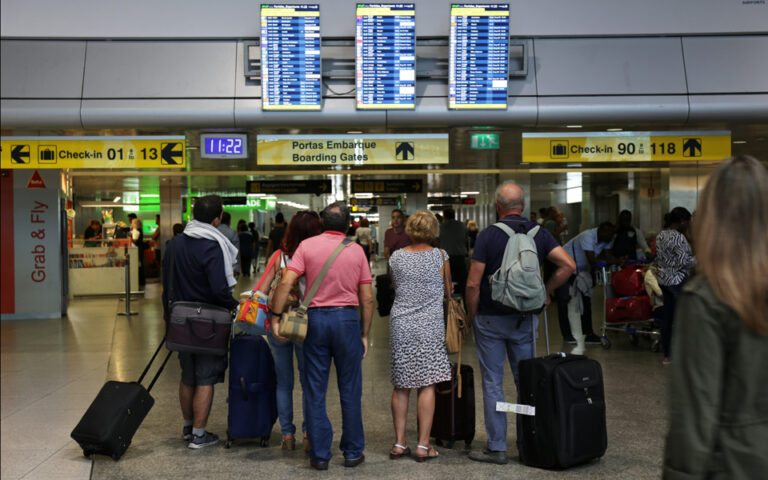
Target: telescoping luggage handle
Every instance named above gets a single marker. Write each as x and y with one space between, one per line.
146 369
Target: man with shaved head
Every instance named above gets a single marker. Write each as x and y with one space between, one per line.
500 335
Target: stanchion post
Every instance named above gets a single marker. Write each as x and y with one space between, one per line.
128 311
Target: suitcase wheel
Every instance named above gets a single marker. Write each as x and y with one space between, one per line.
86 453
438 442
468 444
228 443
605 343
264 441
115 456
450 444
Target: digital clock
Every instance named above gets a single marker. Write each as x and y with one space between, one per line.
224 145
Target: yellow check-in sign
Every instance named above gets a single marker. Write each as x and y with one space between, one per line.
626 146
93 152
368 149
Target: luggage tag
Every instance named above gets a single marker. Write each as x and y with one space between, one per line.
516 408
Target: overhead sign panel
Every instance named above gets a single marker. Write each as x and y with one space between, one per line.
386 186
317 187
479 56
385 55
368 149
626 146
93 152
290 56
372 202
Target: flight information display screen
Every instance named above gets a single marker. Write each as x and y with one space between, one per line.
290 57
385 55
479 56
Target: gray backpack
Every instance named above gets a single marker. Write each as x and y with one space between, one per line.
517 285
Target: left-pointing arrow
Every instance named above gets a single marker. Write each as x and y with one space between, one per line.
20 154
169 154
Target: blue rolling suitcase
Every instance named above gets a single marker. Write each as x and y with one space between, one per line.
252 390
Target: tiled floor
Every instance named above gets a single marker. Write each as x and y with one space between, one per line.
52 369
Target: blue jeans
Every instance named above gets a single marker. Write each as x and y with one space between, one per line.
334 334
282 352
498 338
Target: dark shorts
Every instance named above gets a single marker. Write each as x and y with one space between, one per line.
203 370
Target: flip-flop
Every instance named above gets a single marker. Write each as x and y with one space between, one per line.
406 451
429 449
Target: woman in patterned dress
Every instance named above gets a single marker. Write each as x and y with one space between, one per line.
674 262
417 331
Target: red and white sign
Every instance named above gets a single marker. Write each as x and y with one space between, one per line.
36 181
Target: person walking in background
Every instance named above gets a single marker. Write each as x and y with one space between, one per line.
275 235
501 336
246 249
416 330
335 332
395 237
674 259
202 272
137 237
256 248
455 241
303 225
364 238
719 387
472 231
232 236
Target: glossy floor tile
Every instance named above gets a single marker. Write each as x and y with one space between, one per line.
51 371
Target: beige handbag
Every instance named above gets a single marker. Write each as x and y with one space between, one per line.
294 322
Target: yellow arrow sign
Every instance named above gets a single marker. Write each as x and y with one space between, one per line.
626 146
93 152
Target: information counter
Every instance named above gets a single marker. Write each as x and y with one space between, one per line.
101 270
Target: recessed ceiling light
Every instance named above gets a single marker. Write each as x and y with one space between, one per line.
470 193
573 126
117 199
614 129
739 141
353 132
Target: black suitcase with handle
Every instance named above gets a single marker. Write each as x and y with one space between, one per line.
116 413
454 418
568 427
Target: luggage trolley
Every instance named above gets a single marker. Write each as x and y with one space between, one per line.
632 314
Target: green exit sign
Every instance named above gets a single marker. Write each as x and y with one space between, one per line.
484 141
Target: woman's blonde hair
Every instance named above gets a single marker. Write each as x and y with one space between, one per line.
732 250
422 227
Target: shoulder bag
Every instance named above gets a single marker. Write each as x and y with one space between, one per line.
456 328
253 316
293 295
293 323
196 327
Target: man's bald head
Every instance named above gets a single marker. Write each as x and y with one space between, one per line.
510 197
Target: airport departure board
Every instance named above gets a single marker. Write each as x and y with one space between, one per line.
385 55
479 56
290 57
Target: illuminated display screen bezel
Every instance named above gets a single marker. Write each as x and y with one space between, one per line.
204 137
452 93
359 55
265 80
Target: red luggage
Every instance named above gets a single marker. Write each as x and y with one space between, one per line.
628 282
631 309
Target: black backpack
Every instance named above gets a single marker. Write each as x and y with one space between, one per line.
625 243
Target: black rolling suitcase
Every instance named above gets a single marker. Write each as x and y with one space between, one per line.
385 295
568 427
116 413
455 417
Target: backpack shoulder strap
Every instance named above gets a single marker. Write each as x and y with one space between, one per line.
504 227
532 232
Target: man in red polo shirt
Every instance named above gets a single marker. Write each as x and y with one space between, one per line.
395 237
334 332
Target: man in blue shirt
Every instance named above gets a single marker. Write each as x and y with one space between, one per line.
500 335
199 275
585 248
